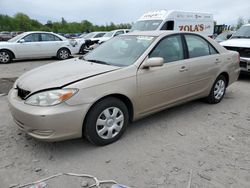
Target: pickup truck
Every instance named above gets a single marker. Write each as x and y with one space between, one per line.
240 42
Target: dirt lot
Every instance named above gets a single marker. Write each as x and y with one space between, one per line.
207 144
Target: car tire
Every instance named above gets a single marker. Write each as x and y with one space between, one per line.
218 90
106 121
5 56
63 53
82 49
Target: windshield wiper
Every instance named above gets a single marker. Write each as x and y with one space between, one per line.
97 61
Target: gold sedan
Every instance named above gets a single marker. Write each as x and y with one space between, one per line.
124 79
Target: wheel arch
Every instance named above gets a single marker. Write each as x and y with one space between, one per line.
63 47
226 75
9 50
121 97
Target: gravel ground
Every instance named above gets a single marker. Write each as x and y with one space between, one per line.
207 145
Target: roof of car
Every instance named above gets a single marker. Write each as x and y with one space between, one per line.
155 33
29 32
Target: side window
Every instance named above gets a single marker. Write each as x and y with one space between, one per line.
32 37
49 37
212 50
99 35
169 25
198 47
170 49
119 33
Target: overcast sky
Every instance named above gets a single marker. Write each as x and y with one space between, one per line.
121 11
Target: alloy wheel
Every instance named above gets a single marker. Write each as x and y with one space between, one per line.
4 57
219 89
109 123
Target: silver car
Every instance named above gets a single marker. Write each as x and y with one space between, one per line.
126 78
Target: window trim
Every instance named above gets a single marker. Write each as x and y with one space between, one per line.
29 35
171 35
209 44
49 40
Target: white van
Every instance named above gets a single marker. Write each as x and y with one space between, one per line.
176 20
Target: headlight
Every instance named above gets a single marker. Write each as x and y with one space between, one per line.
51 97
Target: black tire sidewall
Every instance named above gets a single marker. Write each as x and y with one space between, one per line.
90 122
211 97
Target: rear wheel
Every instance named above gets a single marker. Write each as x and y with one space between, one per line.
218 90
63 53
5 56
106 121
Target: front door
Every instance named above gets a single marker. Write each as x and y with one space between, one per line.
30 47
159 87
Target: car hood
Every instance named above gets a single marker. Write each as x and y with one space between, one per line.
245 43
3 44
59 74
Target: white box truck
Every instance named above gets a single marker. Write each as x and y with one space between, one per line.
176 20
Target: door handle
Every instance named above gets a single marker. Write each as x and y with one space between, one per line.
217 61
183 69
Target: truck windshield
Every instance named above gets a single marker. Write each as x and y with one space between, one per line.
243 32
146 25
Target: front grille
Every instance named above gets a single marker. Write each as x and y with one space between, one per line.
243 64
22 93
244 52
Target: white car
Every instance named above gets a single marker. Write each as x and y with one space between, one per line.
91 38
240 42
37 45
112 34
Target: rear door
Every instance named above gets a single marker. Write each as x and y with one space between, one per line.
203 64
165 85
50 44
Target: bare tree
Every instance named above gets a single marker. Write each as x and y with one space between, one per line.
240 22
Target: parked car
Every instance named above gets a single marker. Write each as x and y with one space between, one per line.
15 33
124 79
5 35
224 36
37 44
112 34
240 42
85 41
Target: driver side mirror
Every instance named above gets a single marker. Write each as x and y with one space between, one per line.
21 41
153 62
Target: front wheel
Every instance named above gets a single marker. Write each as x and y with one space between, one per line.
106 121
63 53
218 90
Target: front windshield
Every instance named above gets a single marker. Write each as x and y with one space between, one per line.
120 51
146 25
243 32
109 34
16 38
222 36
